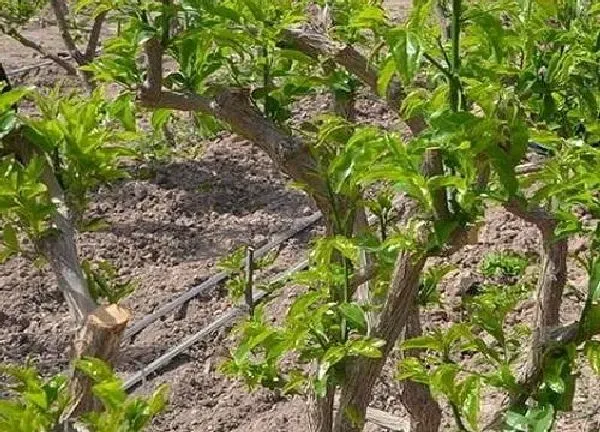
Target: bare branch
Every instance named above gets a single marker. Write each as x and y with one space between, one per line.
528 168
153 85
94 38
59 7
71 70
361 277
315 45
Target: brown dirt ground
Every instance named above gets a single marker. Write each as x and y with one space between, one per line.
167 232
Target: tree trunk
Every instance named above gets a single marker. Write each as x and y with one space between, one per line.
425 412
58 245
550 287
362 373
99 338
60 251
320 412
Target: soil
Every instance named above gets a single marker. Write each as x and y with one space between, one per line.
168 231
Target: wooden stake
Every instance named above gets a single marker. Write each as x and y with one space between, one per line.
249 273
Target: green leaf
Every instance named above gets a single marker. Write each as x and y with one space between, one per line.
160 117
8 120
424 342
355 316
594 282
470 400
386 73
444 381
592 352
9 238
96 369
369 348
110 393
8 99
517 421
123 109
411 368
158 400
406 52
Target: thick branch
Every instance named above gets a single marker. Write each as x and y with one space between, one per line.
99 338
315 45
425 412
536 215
153 85
320 412
94 38
37 47
59 7
559 336
233 108
363 372
549 291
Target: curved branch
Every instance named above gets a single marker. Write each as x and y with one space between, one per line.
233 108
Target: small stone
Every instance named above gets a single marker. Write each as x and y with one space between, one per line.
140 191
259 240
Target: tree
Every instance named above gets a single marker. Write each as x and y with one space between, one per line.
48 165
477 83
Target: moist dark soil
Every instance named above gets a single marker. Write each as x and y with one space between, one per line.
168 230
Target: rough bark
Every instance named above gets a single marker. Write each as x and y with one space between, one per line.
551 281
320 412
99 338
425 412
363 291
60 12
58 246
60 250
233 107
344 105
363 373
433 165
318 45
550 287
94 38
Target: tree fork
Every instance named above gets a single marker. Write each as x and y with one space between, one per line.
362 373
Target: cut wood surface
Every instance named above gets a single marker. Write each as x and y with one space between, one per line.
100 338
213 281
